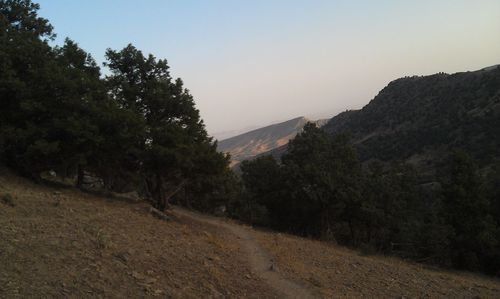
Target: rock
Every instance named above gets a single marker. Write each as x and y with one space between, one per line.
315 281
220 211
159 214
137 275
122 256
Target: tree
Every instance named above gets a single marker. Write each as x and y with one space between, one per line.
175 150
263 199
466 211
25 59
324 176
49 96
314 191
491 191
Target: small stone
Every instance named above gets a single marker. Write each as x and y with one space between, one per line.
122 256
137 275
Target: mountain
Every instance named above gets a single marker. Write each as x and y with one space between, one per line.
221 135
420 119
264 139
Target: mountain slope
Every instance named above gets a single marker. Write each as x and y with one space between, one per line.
261 140
419 119
62 243
222 135
65 243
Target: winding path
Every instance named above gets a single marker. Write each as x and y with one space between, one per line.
260 262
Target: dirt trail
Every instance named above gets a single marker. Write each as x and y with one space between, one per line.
260 262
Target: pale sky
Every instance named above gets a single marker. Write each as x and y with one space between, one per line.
252 63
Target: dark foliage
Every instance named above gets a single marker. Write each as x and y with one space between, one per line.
428 117
416 195
320 189
136 129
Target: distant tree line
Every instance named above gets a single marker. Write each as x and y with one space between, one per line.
320 189
135 129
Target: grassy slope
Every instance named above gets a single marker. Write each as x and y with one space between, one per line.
87 246
78 245
337 272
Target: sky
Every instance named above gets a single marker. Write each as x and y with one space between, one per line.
253 63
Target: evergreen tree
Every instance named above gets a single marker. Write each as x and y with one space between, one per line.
49 96
466 211
26 62
314 191
263 199
324 179
175 149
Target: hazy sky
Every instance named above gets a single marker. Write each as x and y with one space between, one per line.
256 62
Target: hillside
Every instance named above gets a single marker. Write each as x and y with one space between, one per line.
419 119
59 242
222 135
64 243
261 140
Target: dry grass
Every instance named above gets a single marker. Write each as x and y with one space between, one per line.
66 243
337 272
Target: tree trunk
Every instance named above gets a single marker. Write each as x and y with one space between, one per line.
173 192
351 229
148 189
160 194
80 176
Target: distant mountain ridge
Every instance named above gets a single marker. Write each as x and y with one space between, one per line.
222 135
255 142
420 119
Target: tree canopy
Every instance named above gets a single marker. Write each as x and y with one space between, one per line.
319 188
134 129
